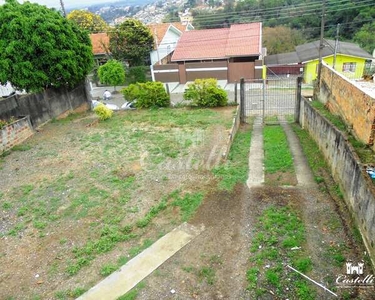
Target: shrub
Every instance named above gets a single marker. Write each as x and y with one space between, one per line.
131 92
137 74
206 93
148 94
103 112
112 72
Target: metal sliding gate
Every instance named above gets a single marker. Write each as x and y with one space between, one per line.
270 98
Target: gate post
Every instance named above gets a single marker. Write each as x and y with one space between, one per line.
242 100
235 92
264 100
298 99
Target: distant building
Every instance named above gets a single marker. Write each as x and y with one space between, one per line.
100 47
185 17
166 36
225 53
350 59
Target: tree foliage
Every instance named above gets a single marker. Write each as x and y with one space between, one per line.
131 41
87 20
281 39
302 15
365 37
112 73
39 48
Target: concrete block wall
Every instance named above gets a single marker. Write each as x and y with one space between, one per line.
344 98
356 185
15 133
44 106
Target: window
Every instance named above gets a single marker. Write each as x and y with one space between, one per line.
349 67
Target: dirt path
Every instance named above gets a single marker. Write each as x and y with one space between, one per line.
214 265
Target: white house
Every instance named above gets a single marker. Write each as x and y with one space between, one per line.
166 36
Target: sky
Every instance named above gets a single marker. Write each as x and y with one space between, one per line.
67 3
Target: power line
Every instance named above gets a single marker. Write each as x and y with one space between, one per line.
268 16
308 13
265 17
315 6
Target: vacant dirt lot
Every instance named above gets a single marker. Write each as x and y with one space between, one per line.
80 198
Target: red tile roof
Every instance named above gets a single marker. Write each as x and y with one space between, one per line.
238 40
100 43
159 30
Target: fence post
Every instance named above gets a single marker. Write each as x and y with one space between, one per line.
264 101
167 88
242 100
235 92
152 72
298 99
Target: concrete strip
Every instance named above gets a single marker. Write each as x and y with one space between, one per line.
256 157
122 281
301 166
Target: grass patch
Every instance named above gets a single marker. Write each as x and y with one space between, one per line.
107 269
278 230
312 152
365 153
277 156
132 295
334 119
69 294
21 147
235 169
112 234
188 204
208 274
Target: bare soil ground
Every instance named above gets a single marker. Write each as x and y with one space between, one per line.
79 199
213 266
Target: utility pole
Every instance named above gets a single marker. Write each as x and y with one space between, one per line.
157 45
336 45
321 46
63 8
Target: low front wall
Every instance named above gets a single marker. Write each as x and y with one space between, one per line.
355 183
215 69
166 73
15 133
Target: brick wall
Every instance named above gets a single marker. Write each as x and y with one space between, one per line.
15 133
344 98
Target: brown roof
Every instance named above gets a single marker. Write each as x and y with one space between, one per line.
100 43
238 40
159 30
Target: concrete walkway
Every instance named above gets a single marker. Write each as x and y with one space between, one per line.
122 281
256 157
301 166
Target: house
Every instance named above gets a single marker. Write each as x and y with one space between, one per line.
350 59
166 36
100 47
225 53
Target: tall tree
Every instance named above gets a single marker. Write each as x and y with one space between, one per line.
365 37
39 48
281 39
88 20
131 41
